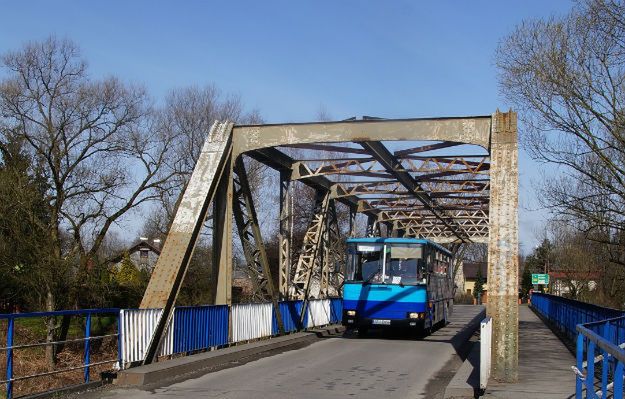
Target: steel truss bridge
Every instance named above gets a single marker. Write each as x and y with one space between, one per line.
451 180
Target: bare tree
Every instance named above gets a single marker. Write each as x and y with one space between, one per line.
567 77
97 143
188 114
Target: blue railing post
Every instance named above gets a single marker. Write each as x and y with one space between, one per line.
119 339
605 364
618 381
10 357
580 365
87 345
590 370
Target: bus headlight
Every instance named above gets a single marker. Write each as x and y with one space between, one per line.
413 315
351 313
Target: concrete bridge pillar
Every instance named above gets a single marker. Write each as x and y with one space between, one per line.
503 247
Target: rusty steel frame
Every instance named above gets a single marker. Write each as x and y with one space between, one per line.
285 234
252 241
307 275
428 168
503 247
333 258
416 192
168 275
395 167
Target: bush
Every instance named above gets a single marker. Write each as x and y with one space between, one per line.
463 299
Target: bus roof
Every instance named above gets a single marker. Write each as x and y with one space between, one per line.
392 240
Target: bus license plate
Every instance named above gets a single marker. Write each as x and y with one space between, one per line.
382 322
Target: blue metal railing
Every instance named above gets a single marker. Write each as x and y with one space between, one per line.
602 342
599 334
336 309
290 312
86 361
195 328
566 313
200 327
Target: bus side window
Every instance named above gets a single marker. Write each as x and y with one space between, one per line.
430 260
422 268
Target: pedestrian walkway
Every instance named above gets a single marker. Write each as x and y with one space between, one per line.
544 364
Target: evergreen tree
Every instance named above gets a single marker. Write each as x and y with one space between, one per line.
526 281
130 283
478 289
128 275
23 221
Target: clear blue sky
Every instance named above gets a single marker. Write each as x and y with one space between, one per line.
288 58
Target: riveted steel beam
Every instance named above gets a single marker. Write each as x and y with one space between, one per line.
503 247
469 130
171 267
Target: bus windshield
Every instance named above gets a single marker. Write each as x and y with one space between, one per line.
364 262
404 264
386 263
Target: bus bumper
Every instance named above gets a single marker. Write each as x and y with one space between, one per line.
356 322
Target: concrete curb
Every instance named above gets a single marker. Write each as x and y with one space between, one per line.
202 363
466 381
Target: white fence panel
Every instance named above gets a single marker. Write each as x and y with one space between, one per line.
137 327
251 320
318 312
486 334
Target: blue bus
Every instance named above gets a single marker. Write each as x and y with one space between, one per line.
397 282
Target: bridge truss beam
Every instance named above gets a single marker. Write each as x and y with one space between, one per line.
252 241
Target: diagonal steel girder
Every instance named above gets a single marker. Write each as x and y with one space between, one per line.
251 238
394 167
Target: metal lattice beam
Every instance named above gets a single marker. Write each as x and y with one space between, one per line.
251 239
308 263
394 166
285 233
280 161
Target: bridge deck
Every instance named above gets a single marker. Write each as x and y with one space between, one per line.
544 364
378 366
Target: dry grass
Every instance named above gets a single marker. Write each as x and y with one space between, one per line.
30 361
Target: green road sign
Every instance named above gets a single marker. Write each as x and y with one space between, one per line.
540 279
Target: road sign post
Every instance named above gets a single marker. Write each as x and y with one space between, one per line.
540 279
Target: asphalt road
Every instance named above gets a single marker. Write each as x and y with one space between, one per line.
378 366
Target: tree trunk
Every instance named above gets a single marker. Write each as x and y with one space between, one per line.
62 336
51 326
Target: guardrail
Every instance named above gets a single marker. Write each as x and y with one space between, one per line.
86 363
602 365
251 321
486 336
192 329
599 335
566 313
137 327
200 327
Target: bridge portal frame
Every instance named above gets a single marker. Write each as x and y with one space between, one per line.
496 133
